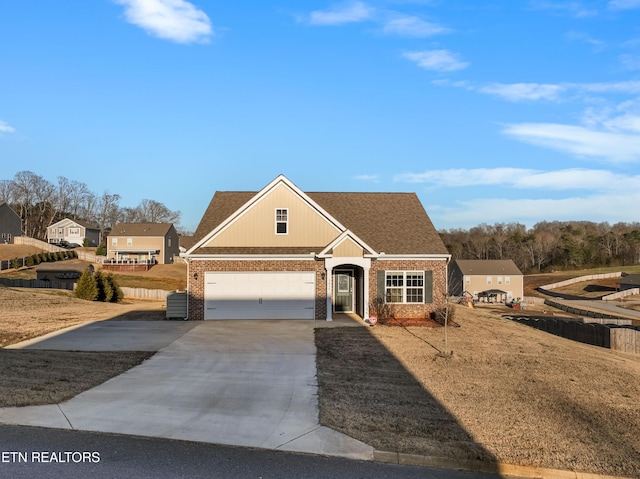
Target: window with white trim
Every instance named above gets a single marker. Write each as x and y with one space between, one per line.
114 241
404 287
507 280
467 280
129 241
488 279
74 232
282 221
499 279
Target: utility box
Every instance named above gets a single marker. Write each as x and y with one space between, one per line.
177 305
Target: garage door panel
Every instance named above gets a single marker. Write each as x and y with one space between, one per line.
260 295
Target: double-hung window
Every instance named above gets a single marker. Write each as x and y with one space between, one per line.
282 221
404 286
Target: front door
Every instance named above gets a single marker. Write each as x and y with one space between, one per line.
343 291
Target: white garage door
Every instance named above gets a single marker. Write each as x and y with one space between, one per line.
249 295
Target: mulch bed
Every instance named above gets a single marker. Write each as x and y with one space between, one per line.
421 322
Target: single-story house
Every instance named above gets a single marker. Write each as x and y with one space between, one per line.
141 244
73 232
10 223
62 272
491 280
281 253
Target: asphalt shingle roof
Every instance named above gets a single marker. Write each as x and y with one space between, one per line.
487 266
140 229
393 223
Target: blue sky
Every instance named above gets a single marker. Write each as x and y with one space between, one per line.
492 111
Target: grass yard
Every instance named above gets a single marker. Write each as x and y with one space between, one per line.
10 251
508 393
29 313
33 377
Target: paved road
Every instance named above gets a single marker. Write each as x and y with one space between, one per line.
128 456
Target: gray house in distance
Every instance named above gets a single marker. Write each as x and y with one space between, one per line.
10 223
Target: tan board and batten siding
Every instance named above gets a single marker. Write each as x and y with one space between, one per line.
347 248
305 225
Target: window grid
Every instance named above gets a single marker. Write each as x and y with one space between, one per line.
404 287
282 220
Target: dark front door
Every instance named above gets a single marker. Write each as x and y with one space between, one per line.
343 291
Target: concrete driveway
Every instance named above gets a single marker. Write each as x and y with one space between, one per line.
245 383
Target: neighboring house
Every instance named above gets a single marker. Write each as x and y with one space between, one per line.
281 253
629 281
63 272
73 232
10 223
496 280
142 243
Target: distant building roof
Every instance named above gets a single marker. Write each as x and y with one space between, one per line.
140 229
487 267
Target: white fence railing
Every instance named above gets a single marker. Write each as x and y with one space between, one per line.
580 279
621 294
25 240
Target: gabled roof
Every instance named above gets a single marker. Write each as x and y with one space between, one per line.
4 203
487 266
393 223
82 223
141 229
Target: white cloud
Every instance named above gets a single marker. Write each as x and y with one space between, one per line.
578 140
353 12
624 4
544 91
6 128
411 26
374 178
438 60
460 177
525 178
630 61
585 38
523 91
597 208
574 9
175 20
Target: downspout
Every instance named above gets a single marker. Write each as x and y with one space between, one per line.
188 289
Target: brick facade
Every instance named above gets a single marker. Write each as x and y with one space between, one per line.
196 287
439 269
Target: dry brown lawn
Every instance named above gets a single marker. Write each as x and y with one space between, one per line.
10 251
168 277
508 393
28 313
33 377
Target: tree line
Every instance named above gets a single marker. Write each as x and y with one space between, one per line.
41 203
549 245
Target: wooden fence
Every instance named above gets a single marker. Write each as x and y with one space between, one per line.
621 294
617 337
43 245
627 340
34 283
141 293
580 280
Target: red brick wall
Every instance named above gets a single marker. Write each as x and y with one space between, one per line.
439 269
196 288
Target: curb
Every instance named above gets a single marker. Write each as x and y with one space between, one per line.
484 467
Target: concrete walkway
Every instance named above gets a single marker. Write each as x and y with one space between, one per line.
244 383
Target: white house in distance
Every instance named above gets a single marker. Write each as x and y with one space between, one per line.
73 232
498 280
